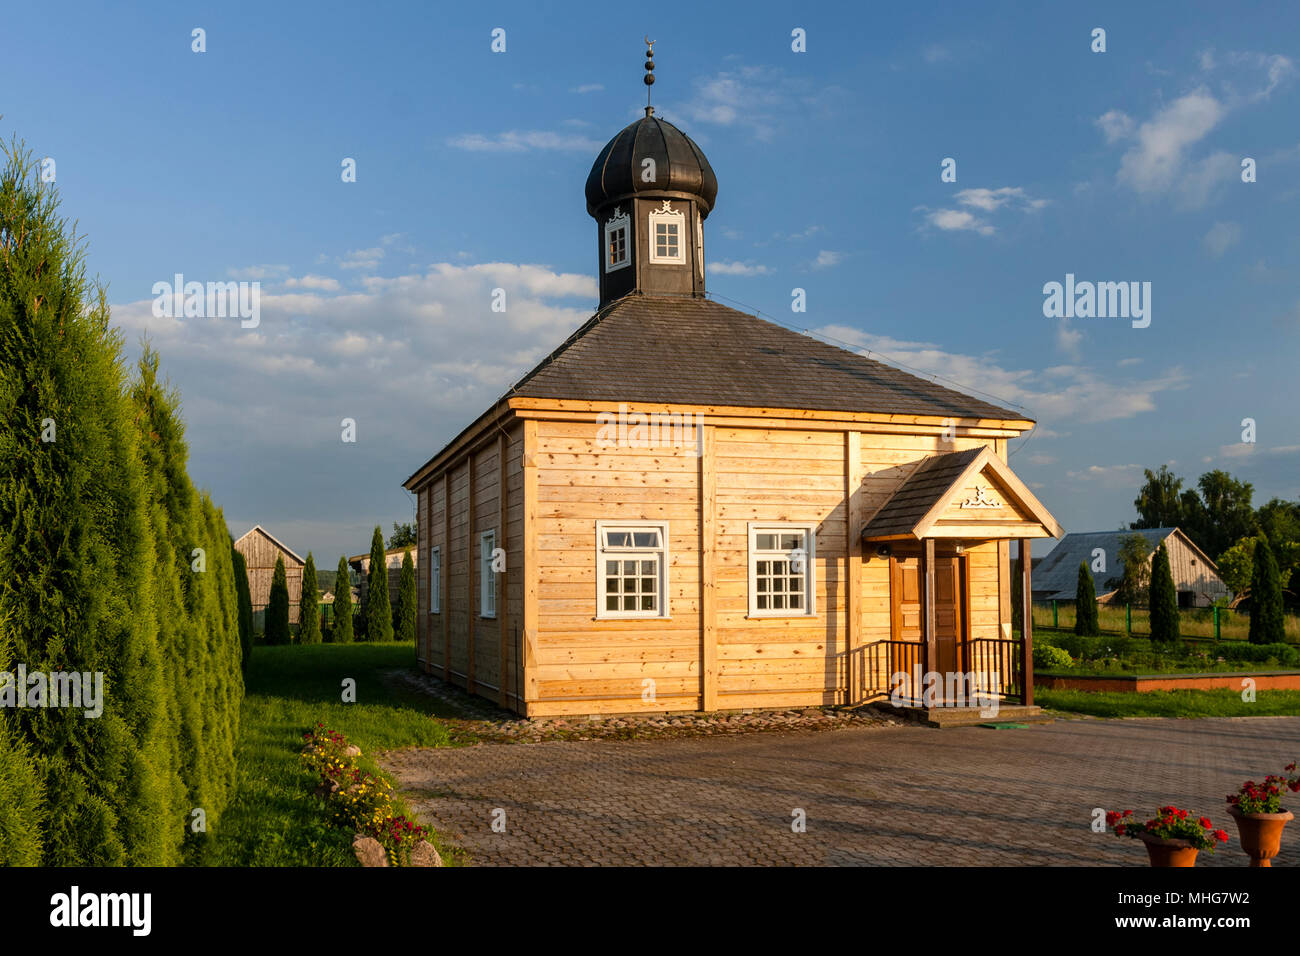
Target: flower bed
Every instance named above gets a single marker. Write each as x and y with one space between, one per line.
361 801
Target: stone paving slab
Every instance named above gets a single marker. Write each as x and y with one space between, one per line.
879 796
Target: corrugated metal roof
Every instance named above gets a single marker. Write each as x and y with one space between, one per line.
1058 573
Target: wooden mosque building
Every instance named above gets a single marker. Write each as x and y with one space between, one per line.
685 507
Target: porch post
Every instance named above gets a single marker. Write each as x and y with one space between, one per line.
1027 627
927 606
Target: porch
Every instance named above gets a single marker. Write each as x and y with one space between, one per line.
933 658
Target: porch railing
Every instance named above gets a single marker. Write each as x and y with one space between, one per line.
871 670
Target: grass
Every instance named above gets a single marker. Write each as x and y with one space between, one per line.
274 818
1171 703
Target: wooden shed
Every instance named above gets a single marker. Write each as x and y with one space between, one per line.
260 549
686 507
360 564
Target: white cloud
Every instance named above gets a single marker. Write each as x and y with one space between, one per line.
322 283
737 269
1042 459
1068 338
1115 125
991 200
1221 237
520 141
760 99
827 259
588 88
1157 160
362 258
936 53
264 273
956 220
1112 476
1054 395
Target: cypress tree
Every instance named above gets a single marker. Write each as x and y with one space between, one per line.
309 606
406 600
342 603
1085 604
245 607
1018 595
1163 599
76 562
1267 625
379 610
277 606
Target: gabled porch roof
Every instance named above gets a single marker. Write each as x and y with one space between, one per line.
962 494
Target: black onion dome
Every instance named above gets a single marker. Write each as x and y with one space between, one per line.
680 166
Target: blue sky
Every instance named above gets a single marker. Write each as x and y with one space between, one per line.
1114 166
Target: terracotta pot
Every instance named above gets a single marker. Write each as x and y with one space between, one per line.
1260 833
1169 852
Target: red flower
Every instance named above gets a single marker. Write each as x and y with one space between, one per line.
1205 822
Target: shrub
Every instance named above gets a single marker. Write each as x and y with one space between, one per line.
309 605
245 606
342 604
406 598
1266 622
1163 599
379 612
1286 655
1049 658
1085 604
277 606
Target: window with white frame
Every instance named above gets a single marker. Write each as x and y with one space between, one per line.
631 562
781 563
667 235
616 241
487 579
435 580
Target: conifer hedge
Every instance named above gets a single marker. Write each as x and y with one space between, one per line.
1163 599
111 563
1085 604
277 606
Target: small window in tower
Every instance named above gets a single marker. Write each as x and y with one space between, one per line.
667 235
616 251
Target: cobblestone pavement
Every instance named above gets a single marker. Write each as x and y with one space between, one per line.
880 796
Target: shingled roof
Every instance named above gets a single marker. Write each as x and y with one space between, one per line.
693 351
919 492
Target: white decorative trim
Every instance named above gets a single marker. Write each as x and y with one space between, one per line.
665 214
620 220
980 501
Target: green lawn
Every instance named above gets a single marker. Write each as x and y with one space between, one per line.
274 820
1171 703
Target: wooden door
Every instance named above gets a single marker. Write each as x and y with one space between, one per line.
906 612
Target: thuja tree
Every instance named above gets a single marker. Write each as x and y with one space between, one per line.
22 799
198 608
1267 625
1085 604
277 606
77 554
406 598
342 604
379 612
245 607
309 605
1163 599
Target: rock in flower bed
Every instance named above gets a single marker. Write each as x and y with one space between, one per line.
363 802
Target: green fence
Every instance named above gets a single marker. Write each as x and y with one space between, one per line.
1194 624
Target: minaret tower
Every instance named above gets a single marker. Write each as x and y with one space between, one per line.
650 191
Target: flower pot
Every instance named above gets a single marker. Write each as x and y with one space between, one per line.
1260 833
1169 852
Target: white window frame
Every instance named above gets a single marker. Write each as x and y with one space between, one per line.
487 583
435 579
667 215
602 554
809 531
620 220
699 241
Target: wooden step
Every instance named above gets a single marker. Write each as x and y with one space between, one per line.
971 716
